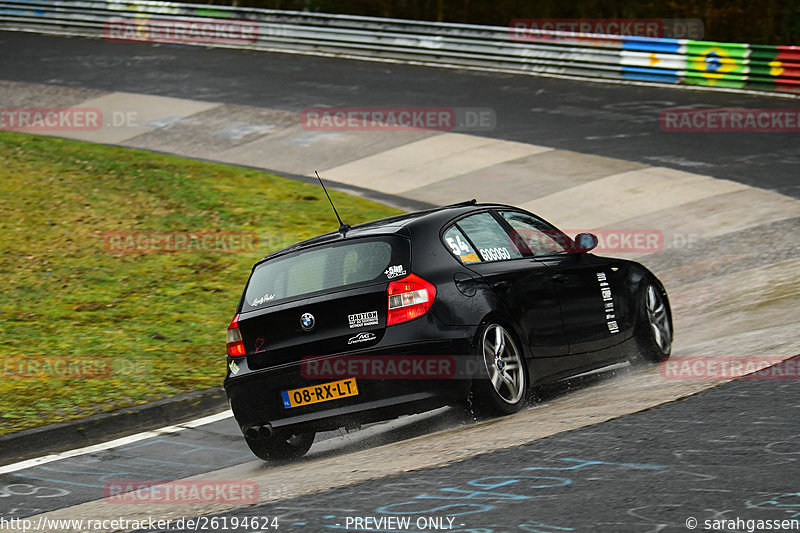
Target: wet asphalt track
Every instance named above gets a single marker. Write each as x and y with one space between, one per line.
75 480
727 452
610 120
721 454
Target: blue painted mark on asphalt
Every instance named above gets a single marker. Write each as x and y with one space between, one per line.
489 483
468 494
100 475
475 508
786 502
560 481
190 448
162 462
65 482
583 462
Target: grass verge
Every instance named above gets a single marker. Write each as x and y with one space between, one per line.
86 326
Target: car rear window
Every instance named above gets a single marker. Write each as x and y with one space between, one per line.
327 268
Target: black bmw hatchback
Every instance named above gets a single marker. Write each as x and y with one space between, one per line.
409 313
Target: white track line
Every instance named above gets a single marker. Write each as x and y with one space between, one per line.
114 443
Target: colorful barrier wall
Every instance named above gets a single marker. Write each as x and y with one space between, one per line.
712 64
706 64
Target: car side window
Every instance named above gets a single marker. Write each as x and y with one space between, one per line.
540 237
459 246
489 237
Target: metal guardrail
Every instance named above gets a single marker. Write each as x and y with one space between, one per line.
679 61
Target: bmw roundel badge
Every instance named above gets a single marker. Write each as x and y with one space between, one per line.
307 321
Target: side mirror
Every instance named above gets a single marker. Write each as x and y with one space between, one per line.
585 242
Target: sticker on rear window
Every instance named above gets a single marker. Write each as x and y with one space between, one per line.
395 271
264 299
360 320
495 254
459 247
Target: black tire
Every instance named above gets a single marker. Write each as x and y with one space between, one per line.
283 446
504 389
654 329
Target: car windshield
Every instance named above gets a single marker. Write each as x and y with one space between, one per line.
327 269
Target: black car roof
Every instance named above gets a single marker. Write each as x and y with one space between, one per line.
396 225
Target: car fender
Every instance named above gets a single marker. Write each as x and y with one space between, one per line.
505 321
638 276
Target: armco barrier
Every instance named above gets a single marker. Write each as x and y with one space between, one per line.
679 61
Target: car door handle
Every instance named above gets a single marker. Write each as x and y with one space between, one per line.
560 278
502 285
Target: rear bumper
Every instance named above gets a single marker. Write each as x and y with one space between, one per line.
256 399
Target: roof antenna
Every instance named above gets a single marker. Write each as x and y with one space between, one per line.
343 228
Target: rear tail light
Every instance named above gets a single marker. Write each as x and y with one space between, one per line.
409 298
235 346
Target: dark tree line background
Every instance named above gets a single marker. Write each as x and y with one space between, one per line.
745 21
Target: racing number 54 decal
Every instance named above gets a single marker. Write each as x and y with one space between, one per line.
457 246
